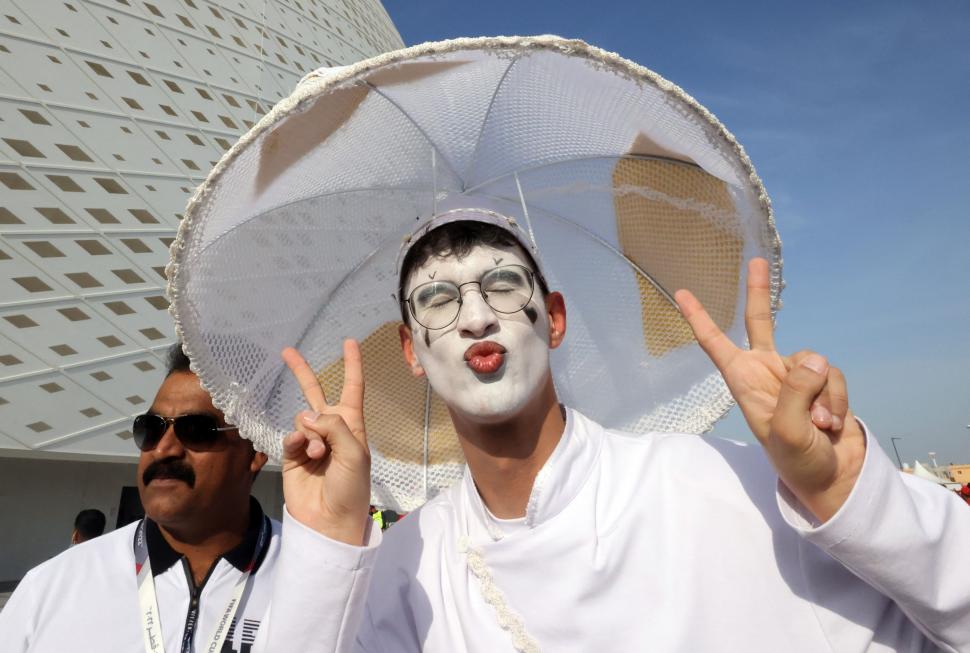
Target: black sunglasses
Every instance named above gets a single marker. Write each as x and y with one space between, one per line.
195 432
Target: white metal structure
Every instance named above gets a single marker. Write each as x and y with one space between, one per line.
111 113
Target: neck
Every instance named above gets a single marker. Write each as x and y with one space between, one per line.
505 457
203 541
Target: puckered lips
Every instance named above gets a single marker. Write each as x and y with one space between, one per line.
485 357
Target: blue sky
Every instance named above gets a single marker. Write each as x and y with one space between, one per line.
857 117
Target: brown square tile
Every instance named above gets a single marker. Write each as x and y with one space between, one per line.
65 183
110 341
128 276
119 308
84 280
93 247
74 314
44 249
32 284
20 321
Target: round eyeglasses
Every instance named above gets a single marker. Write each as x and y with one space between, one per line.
506 289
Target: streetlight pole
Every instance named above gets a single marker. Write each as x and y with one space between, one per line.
897 451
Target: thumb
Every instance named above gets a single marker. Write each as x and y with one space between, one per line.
798 391
294 448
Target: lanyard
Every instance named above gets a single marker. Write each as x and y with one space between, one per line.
151 622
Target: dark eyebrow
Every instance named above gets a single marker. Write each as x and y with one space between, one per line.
506 273
426 290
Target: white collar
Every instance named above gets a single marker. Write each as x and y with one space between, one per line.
556 484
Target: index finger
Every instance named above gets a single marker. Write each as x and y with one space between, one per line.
709 336
308 381
757 309
352 395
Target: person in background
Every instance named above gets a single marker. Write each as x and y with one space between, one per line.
383 518
196 574
88 524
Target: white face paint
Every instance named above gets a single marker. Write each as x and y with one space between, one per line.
512 359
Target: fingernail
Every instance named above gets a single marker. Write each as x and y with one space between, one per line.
836 423
314 446
815 363
820 414
309 417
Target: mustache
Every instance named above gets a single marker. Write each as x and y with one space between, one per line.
169 468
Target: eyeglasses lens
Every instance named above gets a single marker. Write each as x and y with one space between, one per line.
435 304
196 432
506 289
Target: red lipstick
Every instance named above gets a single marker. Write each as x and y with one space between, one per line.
485 357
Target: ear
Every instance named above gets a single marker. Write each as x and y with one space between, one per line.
256 464
407 347
556 310
75 537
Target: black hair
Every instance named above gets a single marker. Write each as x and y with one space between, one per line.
458 239
177 360
89 523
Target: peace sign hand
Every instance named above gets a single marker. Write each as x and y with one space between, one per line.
326 462
796 406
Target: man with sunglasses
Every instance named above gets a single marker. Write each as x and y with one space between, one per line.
564 536
195 575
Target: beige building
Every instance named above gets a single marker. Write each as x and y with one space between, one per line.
959 473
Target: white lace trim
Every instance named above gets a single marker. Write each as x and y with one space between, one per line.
507 618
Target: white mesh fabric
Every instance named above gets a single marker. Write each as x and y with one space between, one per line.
633 191
601 112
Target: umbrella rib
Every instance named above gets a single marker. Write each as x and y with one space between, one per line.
305 199
633 264
411 120
593 157
427 435
488 111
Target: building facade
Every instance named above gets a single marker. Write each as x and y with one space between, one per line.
111 113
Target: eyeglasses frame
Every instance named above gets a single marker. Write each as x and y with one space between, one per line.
170 422
531 274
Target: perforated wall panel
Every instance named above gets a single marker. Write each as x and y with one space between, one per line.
111 113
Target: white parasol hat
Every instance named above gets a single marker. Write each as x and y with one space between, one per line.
628 187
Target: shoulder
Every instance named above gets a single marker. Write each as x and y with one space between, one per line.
697 453
698 470
79 559
415 528
417 537
98 566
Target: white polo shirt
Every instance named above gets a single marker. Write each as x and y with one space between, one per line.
86 598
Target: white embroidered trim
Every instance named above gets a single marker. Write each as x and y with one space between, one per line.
506 616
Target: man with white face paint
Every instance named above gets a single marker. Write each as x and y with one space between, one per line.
565 536
488 370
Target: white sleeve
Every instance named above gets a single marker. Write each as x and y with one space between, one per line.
319 591
906 537
18 618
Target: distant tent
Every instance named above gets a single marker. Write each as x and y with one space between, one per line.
920 471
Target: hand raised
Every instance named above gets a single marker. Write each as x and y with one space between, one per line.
796 407
326 462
